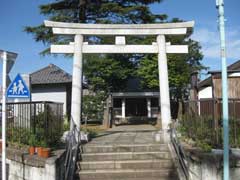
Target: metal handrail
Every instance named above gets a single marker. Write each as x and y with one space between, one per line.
72 151
182 158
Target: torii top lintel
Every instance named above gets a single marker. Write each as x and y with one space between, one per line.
119 29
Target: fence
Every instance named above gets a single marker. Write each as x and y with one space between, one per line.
42 119
202 120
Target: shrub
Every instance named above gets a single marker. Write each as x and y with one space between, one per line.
202 130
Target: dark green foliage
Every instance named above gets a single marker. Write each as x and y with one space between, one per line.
18 135
46 131
180 66
111 72
32 140
106 73
48 128
202 131
92 11
234 133
102 72
93 106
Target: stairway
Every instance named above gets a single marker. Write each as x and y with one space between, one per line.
126 162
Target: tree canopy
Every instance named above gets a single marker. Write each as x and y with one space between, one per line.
111 72
180 66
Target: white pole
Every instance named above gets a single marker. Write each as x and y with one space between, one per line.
123 108
76 106
163 85
4 115
149 107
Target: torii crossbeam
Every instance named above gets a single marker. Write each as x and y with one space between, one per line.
161 47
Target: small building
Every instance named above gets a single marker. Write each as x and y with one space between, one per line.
134 105
211 86
206 96
51 83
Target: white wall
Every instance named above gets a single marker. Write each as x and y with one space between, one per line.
56 94
237 74
205 93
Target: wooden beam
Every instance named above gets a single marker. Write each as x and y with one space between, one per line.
115 49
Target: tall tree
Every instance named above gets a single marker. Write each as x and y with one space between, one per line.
110 72
105 72
180 66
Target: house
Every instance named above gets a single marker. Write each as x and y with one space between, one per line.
51 83
206 96
211 86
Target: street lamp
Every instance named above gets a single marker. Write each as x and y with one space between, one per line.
8 62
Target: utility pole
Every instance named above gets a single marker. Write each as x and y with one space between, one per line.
8 61
220 7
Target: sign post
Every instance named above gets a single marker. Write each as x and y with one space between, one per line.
6 69
4 84
18 88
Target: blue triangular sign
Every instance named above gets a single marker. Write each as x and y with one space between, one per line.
18 88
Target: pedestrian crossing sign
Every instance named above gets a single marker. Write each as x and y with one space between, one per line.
18 88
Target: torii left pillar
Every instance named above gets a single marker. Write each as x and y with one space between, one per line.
76 105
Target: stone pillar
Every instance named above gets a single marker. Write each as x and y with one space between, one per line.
107 117
76 106
163 83
123 108
149 107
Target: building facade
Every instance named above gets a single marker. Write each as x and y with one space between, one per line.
135 107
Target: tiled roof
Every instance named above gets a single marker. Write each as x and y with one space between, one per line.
51 74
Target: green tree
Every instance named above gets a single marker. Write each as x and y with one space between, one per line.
93 106
110 72
98 11
103 73
180 66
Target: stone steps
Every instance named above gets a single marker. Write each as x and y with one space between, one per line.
126 164
127 173
125 156
117 160
124 148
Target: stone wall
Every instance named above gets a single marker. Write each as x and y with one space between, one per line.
21 166
209 166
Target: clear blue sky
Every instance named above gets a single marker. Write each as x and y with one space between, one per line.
15 14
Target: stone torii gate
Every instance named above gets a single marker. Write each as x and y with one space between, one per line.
161 47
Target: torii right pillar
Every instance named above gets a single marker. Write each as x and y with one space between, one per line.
164 87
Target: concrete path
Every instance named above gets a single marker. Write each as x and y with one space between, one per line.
128 134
